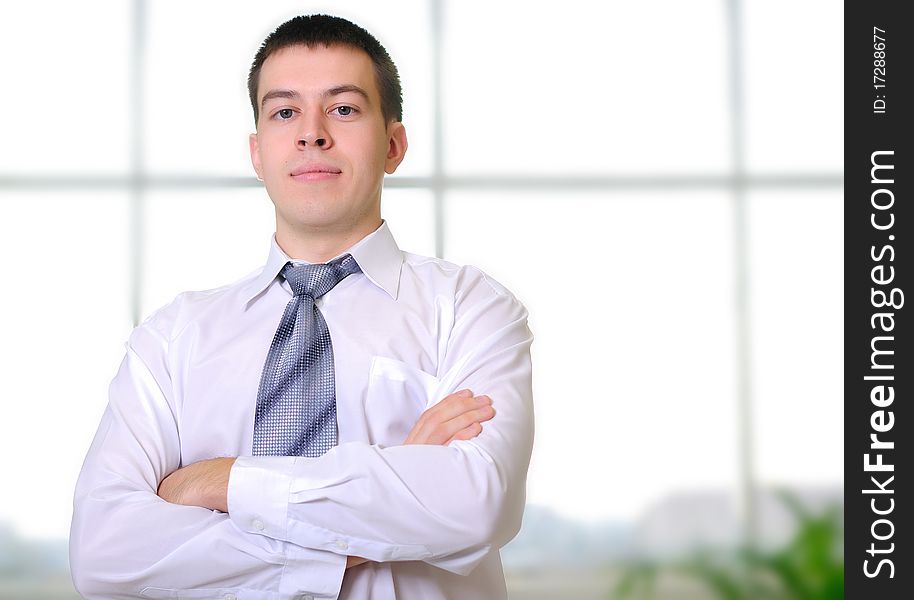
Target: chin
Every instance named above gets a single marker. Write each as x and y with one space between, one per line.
308 220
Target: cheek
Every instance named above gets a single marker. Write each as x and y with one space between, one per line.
368 145
375 156
270 155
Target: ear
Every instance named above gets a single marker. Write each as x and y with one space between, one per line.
255 155
396 148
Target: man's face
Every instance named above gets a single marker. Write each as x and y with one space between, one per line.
322 146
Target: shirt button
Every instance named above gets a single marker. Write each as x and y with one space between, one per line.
342 545
258 525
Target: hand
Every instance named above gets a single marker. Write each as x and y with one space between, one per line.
203 483
458 417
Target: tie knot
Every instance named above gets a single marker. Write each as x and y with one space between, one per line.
316 280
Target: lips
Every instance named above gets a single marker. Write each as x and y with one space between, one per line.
315 170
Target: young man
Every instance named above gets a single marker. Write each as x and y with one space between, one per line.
315 430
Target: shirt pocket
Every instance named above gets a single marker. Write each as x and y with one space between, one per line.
397 396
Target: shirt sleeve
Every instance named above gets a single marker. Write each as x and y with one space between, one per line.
126 542
446 505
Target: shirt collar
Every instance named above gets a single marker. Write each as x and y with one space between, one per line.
377 253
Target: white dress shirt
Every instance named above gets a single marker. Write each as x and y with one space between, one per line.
406 331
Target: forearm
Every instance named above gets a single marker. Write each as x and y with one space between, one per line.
205 484
122 546
124 540
385 504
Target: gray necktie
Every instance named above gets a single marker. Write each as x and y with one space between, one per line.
296 402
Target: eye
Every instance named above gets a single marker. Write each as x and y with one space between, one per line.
345 111
285 113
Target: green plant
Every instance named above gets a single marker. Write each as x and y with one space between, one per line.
809 567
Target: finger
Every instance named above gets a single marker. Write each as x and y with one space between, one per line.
447 430
436 425
466 419
456 404
448 402
467 433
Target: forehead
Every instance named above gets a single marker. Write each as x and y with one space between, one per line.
315 69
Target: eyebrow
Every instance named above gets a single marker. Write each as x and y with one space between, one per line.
334 91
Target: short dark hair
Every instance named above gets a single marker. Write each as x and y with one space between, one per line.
327 30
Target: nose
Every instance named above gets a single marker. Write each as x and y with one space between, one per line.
309 139
313 132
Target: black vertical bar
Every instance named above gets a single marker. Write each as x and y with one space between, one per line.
878 369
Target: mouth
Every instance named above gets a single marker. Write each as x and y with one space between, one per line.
315 172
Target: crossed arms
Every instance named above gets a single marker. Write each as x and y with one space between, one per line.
205 483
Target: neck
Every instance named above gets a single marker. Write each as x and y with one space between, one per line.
319 245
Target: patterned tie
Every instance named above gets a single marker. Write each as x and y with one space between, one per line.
296 402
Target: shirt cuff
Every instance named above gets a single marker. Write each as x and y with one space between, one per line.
258 494
258 503
312 574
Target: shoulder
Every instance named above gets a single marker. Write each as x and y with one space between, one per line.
190 307
468 285
463 276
